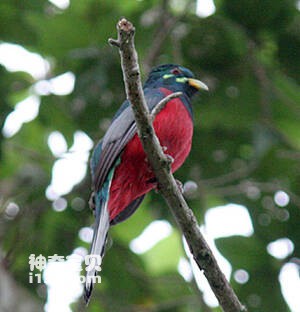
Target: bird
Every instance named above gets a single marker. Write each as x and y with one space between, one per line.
121 174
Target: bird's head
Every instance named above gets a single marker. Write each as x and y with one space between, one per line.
175 78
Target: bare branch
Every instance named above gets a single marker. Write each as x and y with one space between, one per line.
163 103
263 82
114 42
166 23
231 176
166 182
267 86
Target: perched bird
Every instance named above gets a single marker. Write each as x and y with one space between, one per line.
120 171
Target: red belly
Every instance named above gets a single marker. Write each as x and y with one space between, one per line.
174 128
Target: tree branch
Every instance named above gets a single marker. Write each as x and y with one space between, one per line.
163 103
166 22
166 182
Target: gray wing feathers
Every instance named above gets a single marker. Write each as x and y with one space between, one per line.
110 154
118 127
120 132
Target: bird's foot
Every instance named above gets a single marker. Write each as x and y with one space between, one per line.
180 186
167 162
170 158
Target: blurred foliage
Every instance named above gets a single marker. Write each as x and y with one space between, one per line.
246 138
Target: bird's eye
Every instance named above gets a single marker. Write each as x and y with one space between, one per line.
176 71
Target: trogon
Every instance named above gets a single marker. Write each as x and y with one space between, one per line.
120 171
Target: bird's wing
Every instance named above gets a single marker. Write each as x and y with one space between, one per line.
128 211
120 132
105 158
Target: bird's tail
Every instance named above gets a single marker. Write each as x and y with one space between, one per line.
98 243
102 223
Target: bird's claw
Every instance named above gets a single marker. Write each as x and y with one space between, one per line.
180 186
170 158
168 161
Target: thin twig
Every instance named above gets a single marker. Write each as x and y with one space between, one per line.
267 86
265 187
263 82
163 103
166 182
231 176
114 42
166 23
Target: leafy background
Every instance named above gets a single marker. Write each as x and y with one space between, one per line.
245 149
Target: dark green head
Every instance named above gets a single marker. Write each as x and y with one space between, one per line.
175 78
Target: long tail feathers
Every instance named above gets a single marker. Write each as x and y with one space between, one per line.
101 228
98 245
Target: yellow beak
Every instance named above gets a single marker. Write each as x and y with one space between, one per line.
197 84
